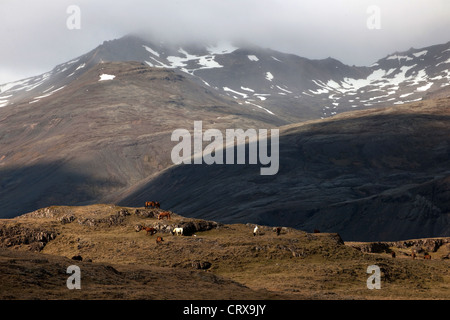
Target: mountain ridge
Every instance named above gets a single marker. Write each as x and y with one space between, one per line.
290 86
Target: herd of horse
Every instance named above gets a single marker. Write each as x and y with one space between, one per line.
179 231
161 215
413 255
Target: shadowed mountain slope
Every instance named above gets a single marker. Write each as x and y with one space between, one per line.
95 137
371 175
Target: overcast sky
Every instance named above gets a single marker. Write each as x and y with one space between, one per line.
34 36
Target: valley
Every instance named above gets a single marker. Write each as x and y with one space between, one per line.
98 128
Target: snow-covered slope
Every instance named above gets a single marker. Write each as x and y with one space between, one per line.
283 85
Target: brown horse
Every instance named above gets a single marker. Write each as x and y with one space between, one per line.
427 256
164 214
159 240
152 204
316 231
152 231
148 204
413 255
393 254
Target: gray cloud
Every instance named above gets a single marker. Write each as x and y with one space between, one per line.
34 36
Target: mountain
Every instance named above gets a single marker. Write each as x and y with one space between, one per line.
98 129
106 130
372 175
287 86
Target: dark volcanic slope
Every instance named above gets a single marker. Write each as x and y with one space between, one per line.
93 138
371 175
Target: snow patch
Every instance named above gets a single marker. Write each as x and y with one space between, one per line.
247 89
283 89
425 87
153 52
80 66
443 62
105 77
205 62
397 57
421 53
222 47
253 58
244 95
269 76
253 104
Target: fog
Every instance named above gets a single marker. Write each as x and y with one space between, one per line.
35 36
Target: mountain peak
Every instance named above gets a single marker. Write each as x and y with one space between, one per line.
288 86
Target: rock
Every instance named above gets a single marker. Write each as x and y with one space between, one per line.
67 219
202 265
78 258
421 245
373 247
123 213
112 220
17 235
146 213
192 227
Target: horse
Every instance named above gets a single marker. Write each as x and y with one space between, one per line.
149 204
178 231
413 255
278 231
427 256
164 214
255 231
152 231
393 254
316 231
159 240
152 204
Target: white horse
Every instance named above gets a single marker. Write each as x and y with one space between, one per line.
255 231
178 231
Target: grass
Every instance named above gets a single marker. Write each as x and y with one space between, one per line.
293 265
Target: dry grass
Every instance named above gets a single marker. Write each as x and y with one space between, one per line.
130 265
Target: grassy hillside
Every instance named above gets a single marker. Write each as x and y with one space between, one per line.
122 263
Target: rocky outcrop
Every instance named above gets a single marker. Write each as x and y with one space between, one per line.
18 235
112 220
422 245
191 227
201 265
147 213
427 245
372 247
